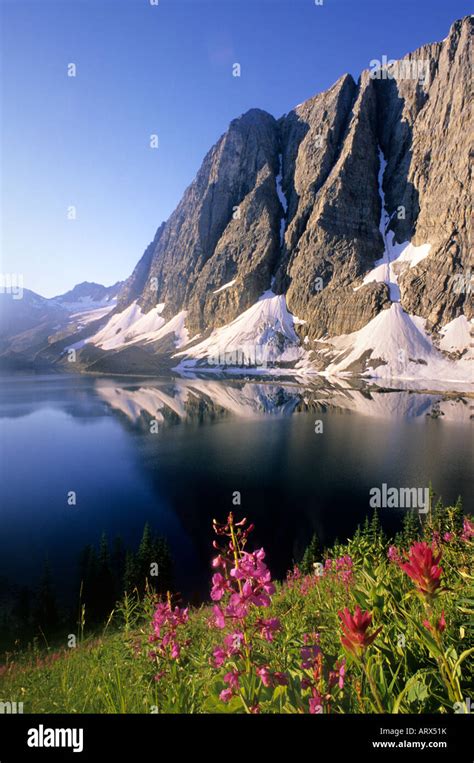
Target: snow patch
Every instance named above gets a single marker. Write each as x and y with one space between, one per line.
457 336
387 268
132 326
262 334
226 286
398 346
282 198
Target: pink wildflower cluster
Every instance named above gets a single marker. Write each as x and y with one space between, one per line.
166 623
317 680
341 568
394 554
241 584
293 576
247 581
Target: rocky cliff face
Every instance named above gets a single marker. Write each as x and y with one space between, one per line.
354 203
424 132
224 229
227 227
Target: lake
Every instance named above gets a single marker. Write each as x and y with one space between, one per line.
174 453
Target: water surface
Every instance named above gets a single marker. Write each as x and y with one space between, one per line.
175 452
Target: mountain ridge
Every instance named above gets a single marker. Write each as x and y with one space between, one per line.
356 199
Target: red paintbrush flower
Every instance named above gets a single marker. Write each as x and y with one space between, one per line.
355 626
423 568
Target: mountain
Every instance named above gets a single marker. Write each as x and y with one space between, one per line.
333 240
89 295
28 311
31 326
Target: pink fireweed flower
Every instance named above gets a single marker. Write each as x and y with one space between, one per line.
220 656
232 678
233 642
355 638
219 586
241 583
268 627
265 675
226 695
447 537
467 530
423 568
166 622
219 617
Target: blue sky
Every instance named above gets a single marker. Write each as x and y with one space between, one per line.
164 70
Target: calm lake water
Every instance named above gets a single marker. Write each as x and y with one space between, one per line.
174 452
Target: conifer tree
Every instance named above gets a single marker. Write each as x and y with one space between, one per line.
311 555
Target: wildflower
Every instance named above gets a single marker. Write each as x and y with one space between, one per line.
232 678
226 695
440 625
467 530
422 567
265 675
234 641
355 626
219 617
447 537
175 651
337 675
220 656
241 583
394 554
308 655
165 623
219 586
315 703
269 627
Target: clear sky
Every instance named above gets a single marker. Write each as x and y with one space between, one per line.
161 69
